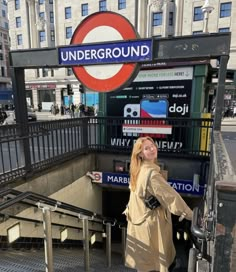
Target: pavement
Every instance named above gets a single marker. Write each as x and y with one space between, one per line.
229 121
46 115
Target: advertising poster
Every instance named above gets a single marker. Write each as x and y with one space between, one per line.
157 95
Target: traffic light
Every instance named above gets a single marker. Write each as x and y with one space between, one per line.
81 88
69 90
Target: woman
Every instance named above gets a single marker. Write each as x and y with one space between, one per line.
149 244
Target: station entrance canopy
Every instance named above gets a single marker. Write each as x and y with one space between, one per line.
126 55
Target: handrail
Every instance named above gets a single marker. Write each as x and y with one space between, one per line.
41 222
49 201
195 229
44 203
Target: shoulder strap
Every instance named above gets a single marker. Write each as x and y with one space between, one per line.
148 177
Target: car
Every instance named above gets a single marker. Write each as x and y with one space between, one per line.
32 117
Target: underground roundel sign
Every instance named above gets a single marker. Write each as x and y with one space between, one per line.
98 29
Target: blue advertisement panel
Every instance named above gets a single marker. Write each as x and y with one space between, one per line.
185 187
6 96
119 52
91 99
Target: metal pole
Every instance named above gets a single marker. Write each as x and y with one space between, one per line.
18 85
108 244
123 242
86 244
149 21
47 239
220 92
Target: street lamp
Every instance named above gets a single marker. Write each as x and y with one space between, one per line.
206 9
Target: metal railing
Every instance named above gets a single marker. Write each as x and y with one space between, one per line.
214 222
48 143
48 205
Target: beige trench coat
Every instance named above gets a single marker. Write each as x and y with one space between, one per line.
149 243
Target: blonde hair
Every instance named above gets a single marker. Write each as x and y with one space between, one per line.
136 160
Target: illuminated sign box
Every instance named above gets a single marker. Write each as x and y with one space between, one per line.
154 129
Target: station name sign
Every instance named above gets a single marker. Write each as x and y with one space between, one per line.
185 187
106 53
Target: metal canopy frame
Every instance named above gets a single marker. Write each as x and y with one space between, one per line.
201 47
186 48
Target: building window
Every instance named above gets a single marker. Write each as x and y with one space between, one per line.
42 36
157 19
6 26
197 32
52 34
69 71
50 1
45 72
171 18
19 39
1 56
103 5
198 14
17 4
121 4
18 22
2 71
41 15
84 9
225 10
52 73
224 29
51 14
41 2
37 73
3 13
67 12
68 32
0 46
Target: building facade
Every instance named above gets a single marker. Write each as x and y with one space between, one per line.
5 81
49 23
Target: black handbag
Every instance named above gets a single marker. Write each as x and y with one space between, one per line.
150 201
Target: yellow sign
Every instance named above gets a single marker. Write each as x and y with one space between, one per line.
205 134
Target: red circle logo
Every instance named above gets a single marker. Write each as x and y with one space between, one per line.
102 27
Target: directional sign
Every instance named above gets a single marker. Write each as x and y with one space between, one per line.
99 28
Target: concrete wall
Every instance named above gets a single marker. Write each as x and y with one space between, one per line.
178 168
81 193
66 183
56 178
